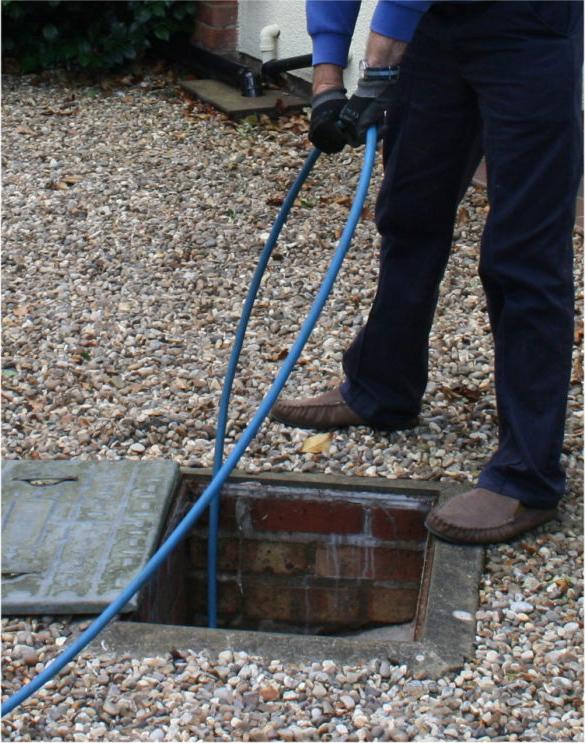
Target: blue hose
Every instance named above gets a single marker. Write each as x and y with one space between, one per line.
230 374
224 471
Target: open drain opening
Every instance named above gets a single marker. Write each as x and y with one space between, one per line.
299 559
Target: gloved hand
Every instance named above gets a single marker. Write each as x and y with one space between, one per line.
365 108
324 130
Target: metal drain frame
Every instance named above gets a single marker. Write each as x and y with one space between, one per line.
445 622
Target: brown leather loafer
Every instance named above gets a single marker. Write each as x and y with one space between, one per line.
483 517
323 413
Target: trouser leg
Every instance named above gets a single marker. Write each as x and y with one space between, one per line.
526 75
432 147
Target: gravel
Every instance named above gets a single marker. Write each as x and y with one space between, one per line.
133 219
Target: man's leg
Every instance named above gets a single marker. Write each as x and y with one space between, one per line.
525 65
533 151
432 146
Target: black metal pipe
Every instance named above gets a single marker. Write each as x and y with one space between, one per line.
275 67
215 65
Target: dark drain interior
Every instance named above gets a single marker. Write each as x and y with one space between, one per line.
298 559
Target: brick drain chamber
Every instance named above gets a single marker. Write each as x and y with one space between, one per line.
298 556
311 567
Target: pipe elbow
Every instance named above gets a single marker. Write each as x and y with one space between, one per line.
268 36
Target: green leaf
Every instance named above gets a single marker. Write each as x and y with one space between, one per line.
162 32
143 15
50 32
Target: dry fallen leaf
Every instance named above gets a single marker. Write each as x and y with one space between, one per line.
280 356
460 390
57 186
72 179
462 216
317 444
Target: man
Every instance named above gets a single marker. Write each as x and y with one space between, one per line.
458 80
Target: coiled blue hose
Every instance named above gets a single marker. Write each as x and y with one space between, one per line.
222 474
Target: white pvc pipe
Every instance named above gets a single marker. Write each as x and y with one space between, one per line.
268 36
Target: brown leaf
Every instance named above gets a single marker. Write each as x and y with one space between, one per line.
70 180
24 130
341 200
57 186
274 200
281 355
462 216
317 444
21 311
452 393
578 335
577 376
49 111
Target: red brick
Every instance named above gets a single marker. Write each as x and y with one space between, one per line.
198 552
391 605
227 515
268 600
218 13
400 524
322 517
280 558
333 605
228 554
374 563
402 566
215 39
229 599
344 561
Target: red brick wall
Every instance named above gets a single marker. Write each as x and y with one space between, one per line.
216 25
324 562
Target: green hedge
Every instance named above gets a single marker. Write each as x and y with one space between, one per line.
90 35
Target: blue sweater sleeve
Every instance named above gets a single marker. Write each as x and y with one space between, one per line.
331 24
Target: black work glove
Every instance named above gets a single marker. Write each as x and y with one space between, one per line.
324 130
365 108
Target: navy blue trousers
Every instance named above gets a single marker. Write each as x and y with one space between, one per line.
500 79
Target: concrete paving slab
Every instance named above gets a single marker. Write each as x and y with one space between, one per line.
233 103
75 533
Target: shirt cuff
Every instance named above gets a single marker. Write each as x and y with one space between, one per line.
397 21
331 48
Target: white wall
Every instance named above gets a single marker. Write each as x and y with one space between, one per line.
289 15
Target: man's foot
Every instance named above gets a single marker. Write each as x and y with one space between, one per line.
323 413
483 517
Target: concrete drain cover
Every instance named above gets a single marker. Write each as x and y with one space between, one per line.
75 533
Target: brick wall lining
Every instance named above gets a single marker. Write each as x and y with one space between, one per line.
312 561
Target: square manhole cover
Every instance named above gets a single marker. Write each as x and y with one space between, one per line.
75 533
